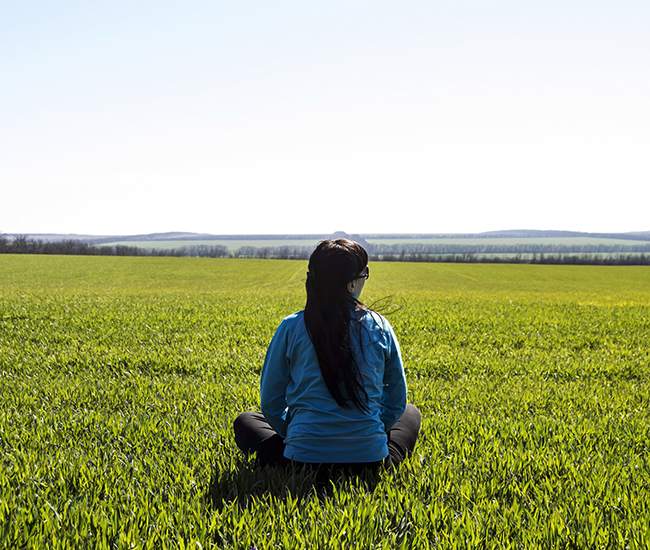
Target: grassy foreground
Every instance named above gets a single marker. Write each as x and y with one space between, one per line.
120 378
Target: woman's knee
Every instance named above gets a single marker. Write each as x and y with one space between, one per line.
403 436
242 420
244 426
412 416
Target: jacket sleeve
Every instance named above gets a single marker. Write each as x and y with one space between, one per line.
274 381
393 403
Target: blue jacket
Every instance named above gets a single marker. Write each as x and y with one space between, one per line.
297 404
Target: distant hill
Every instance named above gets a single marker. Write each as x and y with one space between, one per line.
181 236
514 234
512 246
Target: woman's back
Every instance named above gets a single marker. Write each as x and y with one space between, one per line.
316 428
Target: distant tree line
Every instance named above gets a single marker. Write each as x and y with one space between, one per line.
402 249
23 245
408 252
561 259
274 252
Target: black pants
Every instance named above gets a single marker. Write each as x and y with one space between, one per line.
254 435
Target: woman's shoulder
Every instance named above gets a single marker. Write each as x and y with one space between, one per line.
292 320
373 321
294 317
371 316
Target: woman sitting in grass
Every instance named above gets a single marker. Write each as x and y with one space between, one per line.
333 392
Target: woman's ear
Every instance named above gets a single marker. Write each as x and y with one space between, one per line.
351 287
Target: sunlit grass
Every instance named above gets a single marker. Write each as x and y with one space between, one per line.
120 378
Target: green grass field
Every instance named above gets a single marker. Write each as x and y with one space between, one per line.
120 379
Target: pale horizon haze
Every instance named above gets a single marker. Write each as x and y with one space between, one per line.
295 117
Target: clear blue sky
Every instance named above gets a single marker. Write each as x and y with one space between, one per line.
130 117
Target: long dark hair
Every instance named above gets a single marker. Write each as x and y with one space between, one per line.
328 315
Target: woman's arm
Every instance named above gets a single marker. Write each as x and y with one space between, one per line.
274 381
393 402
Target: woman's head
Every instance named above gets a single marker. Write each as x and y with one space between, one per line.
335 270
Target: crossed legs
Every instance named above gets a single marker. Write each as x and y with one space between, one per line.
254 435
